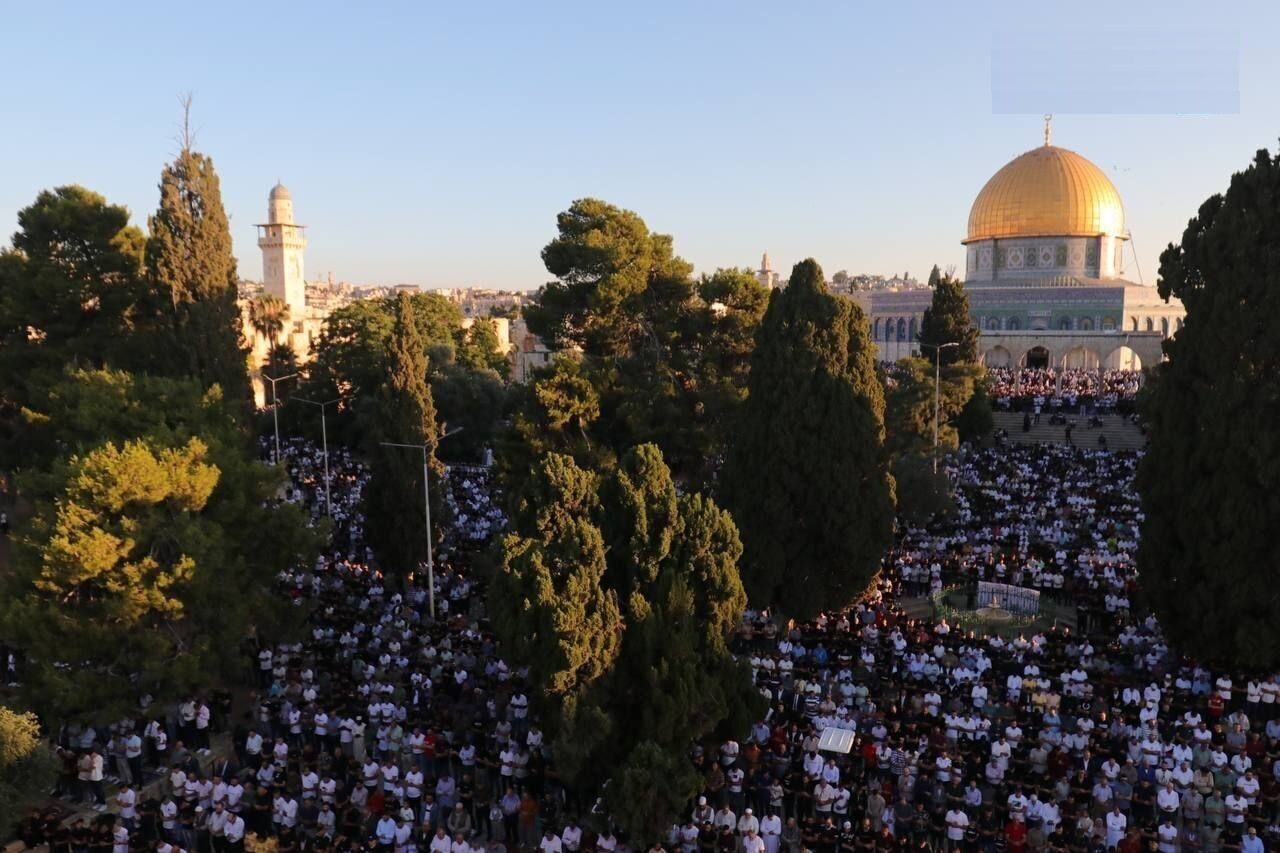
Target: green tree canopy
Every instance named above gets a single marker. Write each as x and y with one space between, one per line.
151 548
555 412
909 404
667 355
69 288
1210 481
807 475
615 281
481 349
621 596
351 357
402 412
947 320
69 285
193 271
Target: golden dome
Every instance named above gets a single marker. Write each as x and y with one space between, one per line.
1045 192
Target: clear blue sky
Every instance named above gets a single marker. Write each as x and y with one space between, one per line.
434 143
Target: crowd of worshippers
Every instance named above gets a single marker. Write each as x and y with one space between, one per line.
1060 740
383 729
1069 389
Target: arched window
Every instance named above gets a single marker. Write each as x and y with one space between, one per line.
875 335
1086 324
993 324
888 328
1151 325
1108 324
902 329
1012 324
1164 327
1065 324
1133 323
911 330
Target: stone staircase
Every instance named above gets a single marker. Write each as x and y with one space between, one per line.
1120 432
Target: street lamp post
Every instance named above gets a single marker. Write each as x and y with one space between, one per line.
324 437
426 511
275 408
937 397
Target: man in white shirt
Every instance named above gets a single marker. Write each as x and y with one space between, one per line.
440 842
386 830
550 842
688 838
218 826
133 757
127 802
771 831
233 832
310 782
1117 824
957 823
264 667
824 797
169 818
202 719
571 836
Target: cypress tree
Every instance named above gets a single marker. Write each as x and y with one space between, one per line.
193 273
1210 481
807 477
402 412
947 320
621 596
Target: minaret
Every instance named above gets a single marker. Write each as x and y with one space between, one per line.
282 242
765 275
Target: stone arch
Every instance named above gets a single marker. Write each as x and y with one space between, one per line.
875 334
993 324
1080 358
1151 324
1064 324
1133 324
1037 356
997 356
1164 327
1108 324
1122 358
911 329
902 329
1086 324
1012 324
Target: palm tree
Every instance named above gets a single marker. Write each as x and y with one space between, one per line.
268 315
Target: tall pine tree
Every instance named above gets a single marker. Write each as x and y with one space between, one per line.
621 595
193 272
807 478
947 320
1210 482
402 412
